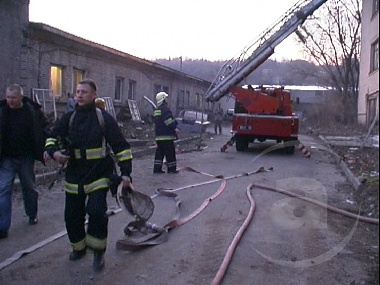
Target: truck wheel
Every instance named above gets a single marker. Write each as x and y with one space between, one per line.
241 144
289 149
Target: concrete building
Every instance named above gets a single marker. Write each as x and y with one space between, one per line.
38 56
368 100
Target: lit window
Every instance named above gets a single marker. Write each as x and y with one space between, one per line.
56 79
77 77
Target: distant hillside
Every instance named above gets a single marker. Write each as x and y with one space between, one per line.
295 72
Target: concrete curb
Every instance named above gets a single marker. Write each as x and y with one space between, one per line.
49 176
350 176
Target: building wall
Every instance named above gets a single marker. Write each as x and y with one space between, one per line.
34 47
368 81
14 15
46 46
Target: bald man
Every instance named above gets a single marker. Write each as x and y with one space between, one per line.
23 130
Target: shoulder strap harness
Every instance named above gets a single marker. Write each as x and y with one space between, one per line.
102 126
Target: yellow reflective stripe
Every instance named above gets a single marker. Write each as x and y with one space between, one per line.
88 188
79 245
92 153
169 121
77 153
97 184
95 243
71 188
50 141
157 113
124 155
165 138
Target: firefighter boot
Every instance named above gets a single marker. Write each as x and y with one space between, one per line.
98 263
77 254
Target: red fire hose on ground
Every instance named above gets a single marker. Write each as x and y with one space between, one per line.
130 245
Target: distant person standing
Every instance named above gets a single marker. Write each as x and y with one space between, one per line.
23 130
218 119
166 133
70 102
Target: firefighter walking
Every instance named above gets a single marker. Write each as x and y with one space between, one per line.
85 135
166 133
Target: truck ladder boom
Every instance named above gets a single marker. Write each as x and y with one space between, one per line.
236 69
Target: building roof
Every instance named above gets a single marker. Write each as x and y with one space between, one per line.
59 33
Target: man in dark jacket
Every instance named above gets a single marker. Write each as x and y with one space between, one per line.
23 130
87 132
166 133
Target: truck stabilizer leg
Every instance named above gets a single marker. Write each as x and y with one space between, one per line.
228 144
302 148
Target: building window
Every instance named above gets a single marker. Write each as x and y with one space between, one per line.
372 105
165 89
156 89
375 56
78 75
132 89
181 99
118 88
188 105
198 97
56 79
375 7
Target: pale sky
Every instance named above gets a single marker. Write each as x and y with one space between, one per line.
150 29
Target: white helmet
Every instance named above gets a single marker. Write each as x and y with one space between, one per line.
160 97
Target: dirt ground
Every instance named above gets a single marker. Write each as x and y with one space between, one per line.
363 162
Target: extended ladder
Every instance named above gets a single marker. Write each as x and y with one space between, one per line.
238 68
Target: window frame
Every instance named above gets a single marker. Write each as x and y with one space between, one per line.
119 88
374 54
132 85
375 7
56 74
78 75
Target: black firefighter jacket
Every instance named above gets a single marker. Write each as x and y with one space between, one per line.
84 138
40 125
165 124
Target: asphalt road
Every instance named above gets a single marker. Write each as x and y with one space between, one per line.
288 241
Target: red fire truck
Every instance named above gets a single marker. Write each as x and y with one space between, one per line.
262 113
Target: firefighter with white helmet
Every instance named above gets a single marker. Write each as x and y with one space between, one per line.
166 133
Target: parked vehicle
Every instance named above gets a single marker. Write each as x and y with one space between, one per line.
190 121
262 113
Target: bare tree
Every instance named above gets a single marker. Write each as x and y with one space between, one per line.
332 40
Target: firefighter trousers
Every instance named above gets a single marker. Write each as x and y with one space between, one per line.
165 149
76 207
